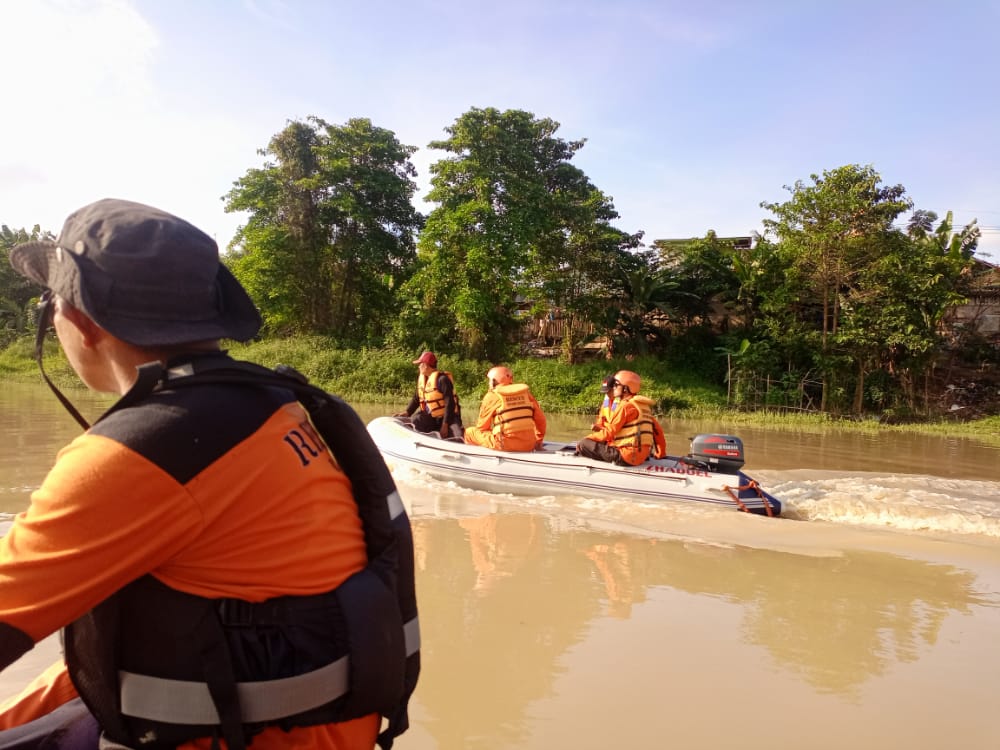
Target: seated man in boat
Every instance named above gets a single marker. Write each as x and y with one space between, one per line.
434 406
510 418
631 433
207 545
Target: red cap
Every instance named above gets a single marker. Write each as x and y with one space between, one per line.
428 358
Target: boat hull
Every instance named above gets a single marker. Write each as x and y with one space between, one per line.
555 470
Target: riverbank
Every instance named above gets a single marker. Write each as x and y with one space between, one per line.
387 377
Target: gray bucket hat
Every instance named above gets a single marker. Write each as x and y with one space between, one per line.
145 276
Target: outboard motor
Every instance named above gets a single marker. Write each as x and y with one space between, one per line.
721 453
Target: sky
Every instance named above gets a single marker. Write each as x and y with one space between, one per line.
693 113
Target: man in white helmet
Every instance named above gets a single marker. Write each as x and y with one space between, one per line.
510 418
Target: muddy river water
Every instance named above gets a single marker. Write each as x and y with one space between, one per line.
867 617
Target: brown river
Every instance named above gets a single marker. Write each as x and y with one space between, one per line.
867 617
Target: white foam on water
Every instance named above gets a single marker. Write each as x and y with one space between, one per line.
904 502
913 504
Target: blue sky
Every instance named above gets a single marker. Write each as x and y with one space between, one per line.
693 113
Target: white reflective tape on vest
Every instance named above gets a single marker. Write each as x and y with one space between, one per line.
186 702
395 503
411 634
183 702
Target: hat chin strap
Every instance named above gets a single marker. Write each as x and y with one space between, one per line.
45 313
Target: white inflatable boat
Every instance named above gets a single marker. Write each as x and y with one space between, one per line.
711 473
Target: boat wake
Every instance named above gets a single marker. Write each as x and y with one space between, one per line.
906 502
924 505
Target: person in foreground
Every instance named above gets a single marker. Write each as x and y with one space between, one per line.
434 406
227 555
510 418
630 433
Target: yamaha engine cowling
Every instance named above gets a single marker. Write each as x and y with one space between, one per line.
722 453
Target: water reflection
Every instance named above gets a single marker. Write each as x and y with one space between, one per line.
508 601
496 614
839 621
33 427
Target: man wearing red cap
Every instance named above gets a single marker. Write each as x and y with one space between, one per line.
434 406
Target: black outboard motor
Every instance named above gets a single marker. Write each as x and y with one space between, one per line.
721 453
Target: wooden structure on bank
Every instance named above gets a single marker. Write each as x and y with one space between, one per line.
982 312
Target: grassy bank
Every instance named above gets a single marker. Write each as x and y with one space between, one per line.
384 376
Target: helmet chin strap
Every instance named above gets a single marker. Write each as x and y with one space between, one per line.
46 311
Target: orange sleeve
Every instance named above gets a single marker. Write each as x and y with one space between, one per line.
51 689
491 402
659 440
540 423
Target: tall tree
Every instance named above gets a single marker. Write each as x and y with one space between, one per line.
829 231
894 313
512 213
707 266
331 232
16 292
645 291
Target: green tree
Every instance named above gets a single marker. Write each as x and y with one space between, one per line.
331 231
707 266
514 220
650 296
582 266
16 292
829 231
895 312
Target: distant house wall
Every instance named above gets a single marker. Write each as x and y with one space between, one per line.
550 330
982 311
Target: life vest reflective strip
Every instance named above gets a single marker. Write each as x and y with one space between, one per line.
381 682
188 702
639 432
516 413
432 400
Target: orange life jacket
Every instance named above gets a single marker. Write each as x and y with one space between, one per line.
516 413
432 400
639 433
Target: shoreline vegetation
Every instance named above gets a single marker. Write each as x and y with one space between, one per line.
386 376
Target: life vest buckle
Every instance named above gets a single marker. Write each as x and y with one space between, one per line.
236 613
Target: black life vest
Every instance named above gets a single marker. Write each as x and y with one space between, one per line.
158 667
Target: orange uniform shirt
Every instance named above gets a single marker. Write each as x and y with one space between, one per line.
270 515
